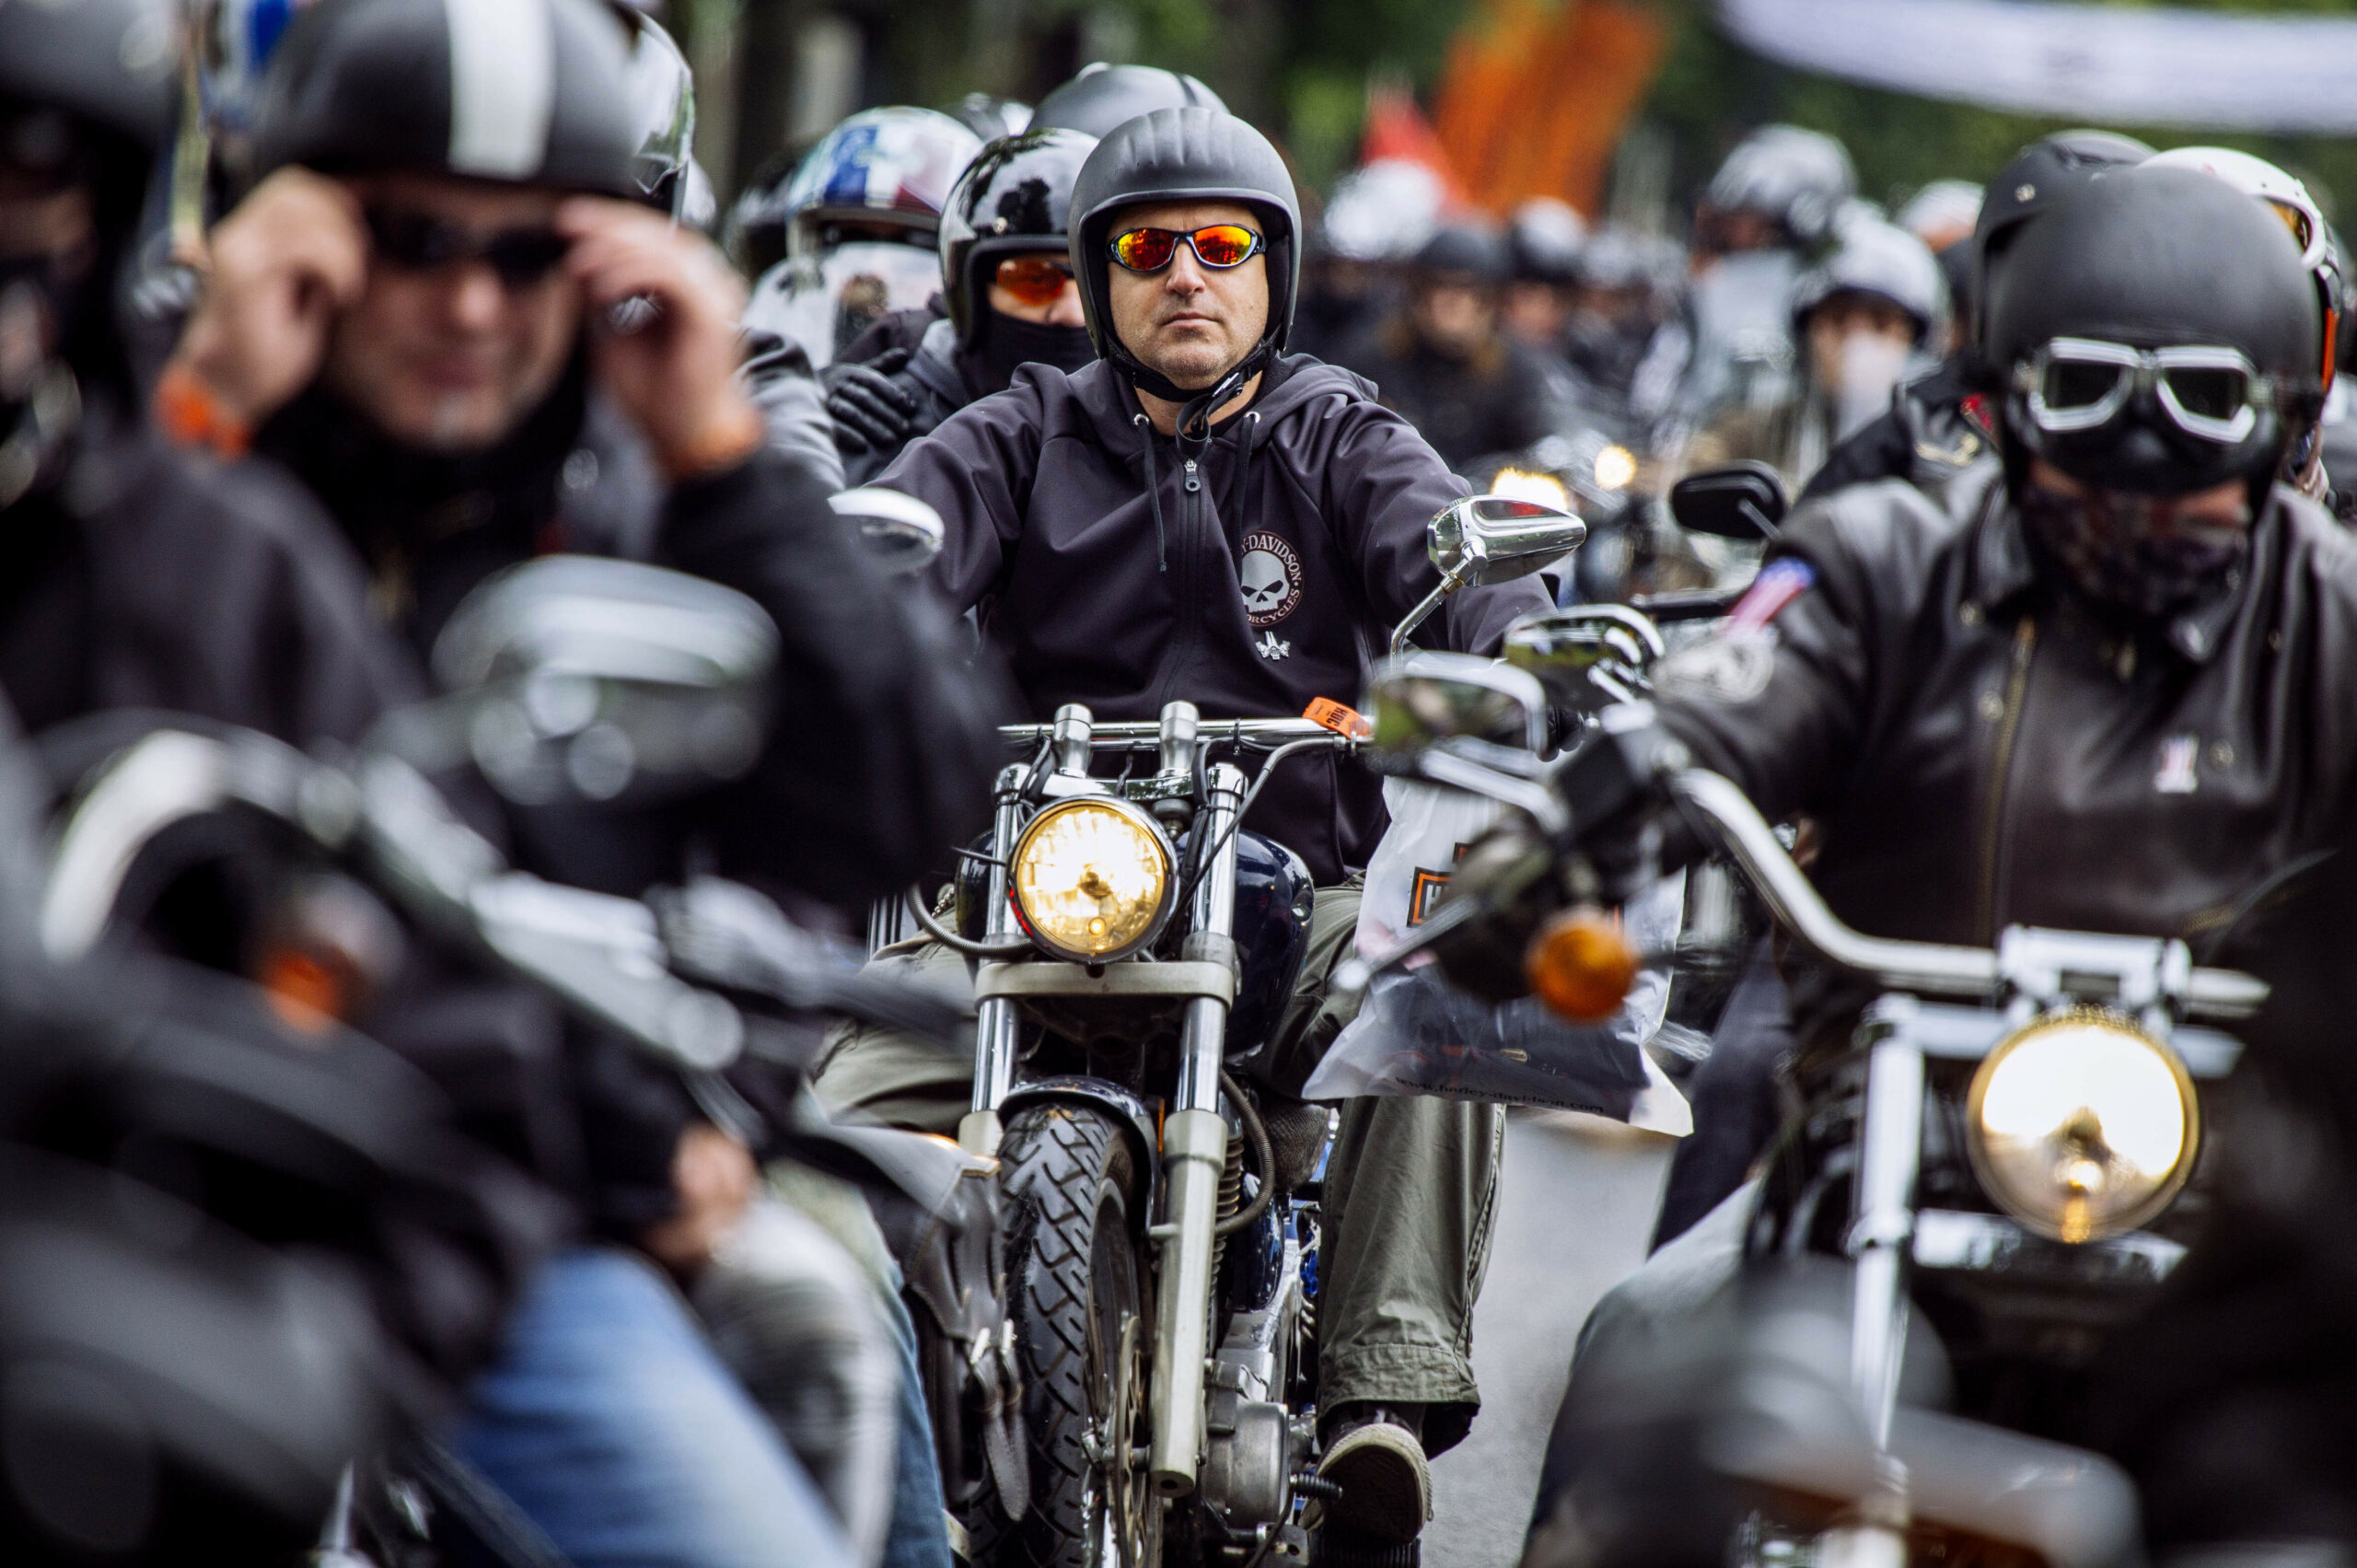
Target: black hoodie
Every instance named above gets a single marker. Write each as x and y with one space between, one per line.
1267 574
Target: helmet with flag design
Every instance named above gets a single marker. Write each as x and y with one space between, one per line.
883 174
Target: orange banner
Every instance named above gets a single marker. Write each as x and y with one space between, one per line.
1537 93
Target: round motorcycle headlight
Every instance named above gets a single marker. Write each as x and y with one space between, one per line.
2083 1126
1092 880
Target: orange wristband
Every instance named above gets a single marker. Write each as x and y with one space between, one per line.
723 444
191 414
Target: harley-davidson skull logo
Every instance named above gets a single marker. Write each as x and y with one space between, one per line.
1270 576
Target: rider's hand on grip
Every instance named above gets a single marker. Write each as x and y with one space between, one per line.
869 409
1512 871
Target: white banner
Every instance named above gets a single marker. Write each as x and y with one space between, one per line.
2292 74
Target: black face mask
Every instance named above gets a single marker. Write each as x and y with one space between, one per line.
1002 343
2133 552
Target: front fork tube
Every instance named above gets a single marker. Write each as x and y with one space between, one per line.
1889 1160
1194 1153
994 1020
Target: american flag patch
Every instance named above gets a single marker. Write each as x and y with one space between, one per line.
1779 583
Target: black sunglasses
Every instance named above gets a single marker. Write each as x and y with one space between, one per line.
412 241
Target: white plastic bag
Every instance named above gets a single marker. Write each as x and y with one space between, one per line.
1417 1034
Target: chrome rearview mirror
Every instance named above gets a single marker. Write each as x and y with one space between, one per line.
1418 699
1742 500
576 677
903 533
1491 538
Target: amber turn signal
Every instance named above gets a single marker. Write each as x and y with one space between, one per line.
1581 965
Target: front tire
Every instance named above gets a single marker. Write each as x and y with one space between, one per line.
1080 1301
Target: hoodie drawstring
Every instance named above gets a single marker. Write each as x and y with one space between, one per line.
1153 493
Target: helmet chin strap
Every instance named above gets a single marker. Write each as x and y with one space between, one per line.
1196 408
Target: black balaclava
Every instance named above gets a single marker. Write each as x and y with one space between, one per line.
1001 343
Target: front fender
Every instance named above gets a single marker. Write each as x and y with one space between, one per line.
1131 1114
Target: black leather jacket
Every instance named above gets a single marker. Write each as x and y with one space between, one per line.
1979 750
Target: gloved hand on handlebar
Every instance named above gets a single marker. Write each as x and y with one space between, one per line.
1623 835
868 409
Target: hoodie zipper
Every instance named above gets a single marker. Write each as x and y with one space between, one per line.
2009 723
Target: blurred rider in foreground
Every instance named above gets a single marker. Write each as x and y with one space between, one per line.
440 313
2108 701
1198 516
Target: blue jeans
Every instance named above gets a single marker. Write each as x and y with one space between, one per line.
919 1539
611 1424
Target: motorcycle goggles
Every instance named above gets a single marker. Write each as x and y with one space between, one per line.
1220 246
1034 280
415 242
2072 385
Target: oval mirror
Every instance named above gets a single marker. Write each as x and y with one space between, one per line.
578 677
1415 700
1742 500
904 533
1496 538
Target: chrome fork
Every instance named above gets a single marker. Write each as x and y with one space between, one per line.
1194 1153
994 1020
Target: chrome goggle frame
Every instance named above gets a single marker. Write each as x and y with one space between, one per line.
2141 369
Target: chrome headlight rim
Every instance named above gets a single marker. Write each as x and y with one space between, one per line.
1144 824
1993 1183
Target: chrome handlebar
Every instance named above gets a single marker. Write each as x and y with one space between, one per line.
1930 968
1132 732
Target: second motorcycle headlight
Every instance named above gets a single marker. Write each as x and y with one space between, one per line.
2083 1126
1092 880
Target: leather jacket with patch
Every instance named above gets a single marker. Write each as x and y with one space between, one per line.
1980 749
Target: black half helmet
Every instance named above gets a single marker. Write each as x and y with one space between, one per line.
2151 259
2043 174
1459 251
528 92
108 69
1014 196
112 64
1184 155
1102 96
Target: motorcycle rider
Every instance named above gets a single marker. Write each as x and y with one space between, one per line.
415 311
1932 694
861 217
1112 519
134 576
1623 290
1543 237
1772 201
1859 317
869 391
1444 362
1007 276
1378 216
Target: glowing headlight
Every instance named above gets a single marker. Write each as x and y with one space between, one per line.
1525 485
1092 880
1615 467
2083 1126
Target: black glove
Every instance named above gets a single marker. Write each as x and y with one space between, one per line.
870 409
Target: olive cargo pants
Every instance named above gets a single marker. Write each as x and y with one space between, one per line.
1412 1185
